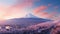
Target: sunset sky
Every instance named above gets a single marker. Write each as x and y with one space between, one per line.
10 9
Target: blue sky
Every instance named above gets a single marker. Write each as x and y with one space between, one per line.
46 2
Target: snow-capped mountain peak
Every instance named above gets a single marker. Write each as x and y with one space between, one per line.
30 16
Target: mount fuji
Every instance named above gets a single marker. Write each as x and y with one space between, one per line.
28 21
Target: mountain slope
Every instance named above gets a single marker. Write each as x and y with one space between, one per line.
26 21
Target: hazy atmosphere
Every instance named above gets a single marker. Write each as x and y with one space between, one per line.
20 8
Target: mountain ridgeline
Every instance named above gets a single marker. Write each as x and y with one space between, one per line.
26 21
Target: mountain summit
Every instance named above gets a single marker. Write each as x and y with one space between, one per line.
30 16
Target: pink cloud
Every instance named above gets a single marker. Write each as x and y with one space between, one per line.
47 15
17 10
23 4
51 15
26 2
40 9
